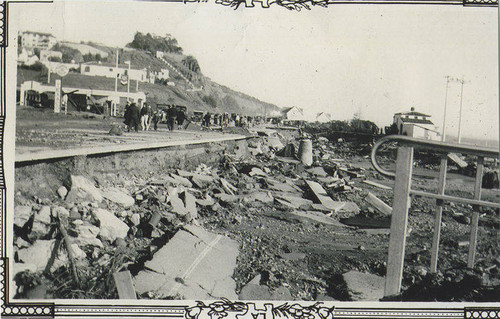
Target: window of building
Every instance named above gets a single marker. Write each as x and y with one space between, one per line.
87 69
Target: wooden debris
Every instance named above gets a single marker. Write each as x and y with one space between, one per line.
379 204
455 158
375 184
124 285
71 253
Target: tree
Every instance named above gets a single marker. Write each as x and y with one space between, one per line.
153 43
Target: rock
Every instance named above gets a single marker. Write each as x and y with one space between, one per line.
281 293
208 201
21 243
43 215
274 142
74 213
182 181
40 252
111 227
202 181
135 219
60 212
87 235
226 198
255 292
139 197
83 190
238 219
21 215
120 243
255 171
317 171
115 130
363 286
191 266
118 196
263 197
62 192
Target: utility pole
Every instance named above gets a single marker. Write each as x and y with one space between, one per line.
460 114
445 103
116 70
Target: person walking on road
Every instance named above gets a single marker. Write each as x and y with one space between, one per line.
171 117
146 114
206 120
181 116
132 117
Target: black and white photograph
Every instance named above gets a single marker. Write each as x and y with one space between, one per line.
298 159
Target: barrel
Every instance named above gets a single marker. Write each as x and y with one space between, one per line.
305 152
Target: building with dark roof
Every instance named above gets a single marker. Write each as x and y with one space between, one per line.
415 124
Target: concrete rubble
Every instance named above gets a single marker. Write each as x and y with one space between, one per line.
235 230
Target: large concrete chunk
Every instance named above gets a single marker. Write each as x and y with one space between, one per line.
194 264
364 287
83 190
39 255
118 196
323 197
21 215
111 227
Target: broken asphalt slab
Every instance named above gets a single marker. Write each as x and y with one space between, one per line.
194 264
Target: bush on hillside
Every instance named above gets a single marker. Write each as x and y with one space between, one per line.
210 100
68 54
191 63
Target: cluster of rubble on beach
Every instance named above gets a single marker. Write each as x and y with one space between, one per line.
256 225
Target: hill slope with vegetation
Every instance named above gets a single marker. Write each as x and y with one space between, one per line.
206 95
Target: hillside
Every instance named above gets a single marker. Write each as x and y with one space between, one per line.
223 99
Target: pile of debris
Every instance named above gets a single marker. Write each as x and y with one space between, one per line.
183 234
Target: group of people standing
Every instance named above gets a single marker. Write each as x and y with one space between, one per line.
140 118
226 119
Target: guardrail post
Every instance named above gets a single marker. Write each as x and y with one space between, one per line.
475 215
399 221
439 214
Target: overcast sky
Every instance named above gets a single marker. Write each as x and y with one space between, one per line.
372 59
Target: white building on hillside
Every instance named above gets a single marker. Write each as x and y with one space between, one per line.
111 71
415 124
40 40
293 113
323 117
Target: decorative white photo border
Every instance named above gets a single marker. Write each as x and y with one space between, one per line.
214 309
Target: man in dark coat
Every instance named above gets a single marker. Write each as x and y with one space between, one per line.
171 117
181 116
134 117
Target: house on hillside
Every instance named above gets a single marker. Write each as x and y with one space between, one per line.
163 74
40 40
110 70
323 117
293 113
415 124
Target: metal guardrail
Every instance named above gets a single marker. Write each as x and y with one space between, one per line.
402 192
